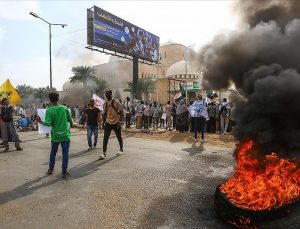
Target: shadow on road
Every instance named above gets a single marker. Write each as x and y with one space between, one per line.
30 187
194 149
85 169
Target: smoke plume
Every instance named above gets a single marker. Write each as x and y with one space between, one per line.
262 61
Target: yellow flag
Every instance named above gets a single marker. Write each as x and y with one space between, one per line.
8 91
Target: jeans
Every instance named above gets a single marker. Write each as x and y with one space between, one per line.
65 154
107 130
90 130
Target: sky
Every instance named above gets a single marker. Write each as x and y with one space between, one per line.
24 39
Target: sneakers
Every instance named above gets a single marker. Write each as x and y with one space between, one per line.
195 139
102 156
6 150
50 172
65 175
120 152
19 149
204 140
94 147
90 148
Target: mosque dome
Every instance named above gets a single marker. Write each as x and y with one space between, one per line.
182 69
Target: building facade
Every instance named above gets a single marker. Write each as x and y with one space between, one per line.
177 65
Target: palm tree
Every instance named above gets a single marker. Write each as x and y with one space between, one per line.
145 87
148 86
98 86
83 74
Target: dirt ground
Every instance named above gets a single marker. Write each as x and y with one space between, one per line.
226 141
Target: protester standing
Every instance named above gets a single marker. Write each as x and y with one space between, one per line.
182 116
174 108
127 113
146 116
59 118
224 109
139 114
213 112
150 114
199 112
8 131
113 113
168 111
93 120
162 116
156 113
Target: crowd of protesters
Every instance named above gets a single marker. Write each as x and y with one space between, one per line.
177 116
200 116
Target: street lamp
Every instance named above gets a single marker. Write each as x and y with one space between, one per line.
50 24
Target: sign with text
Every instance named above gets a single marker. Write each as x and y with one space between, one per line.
113 33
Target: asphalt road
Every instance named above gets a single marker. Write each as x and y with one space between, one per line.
155 184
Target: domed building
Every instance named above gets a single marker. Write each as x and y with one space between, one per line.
176 66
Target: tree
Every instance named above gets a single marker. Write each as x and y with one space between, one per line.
145 87
40 93
98 86
24 90
83 74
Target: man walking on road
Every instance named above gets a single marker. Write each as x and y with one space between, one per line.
113 113
8 131
59 118
93 120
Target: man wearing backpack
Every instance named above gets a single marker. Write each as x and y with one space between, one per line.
224 109
113 114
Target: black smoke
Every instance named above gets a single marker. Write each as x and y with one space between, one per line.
255 11
263 62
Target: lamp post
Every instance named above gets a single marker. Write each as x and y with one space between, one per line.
50 36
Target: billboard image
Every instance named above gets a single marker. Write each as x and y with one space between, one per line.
114 33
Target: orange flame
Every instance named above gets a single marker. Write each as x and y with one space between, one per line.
262 184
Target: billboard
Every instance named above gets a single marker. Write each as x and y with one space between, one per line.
113 33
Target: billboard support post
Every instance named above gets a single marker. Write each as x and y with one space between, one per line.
135 76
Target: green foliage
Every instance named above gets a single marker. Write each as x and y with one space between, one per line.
145 87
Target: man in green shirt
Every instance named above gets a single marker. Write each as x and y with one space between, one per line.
59 118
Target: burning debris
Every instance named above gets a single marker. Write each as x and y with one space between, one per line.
262 61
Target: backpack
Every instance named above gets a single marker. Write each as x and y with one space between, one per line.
224 110
105 113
